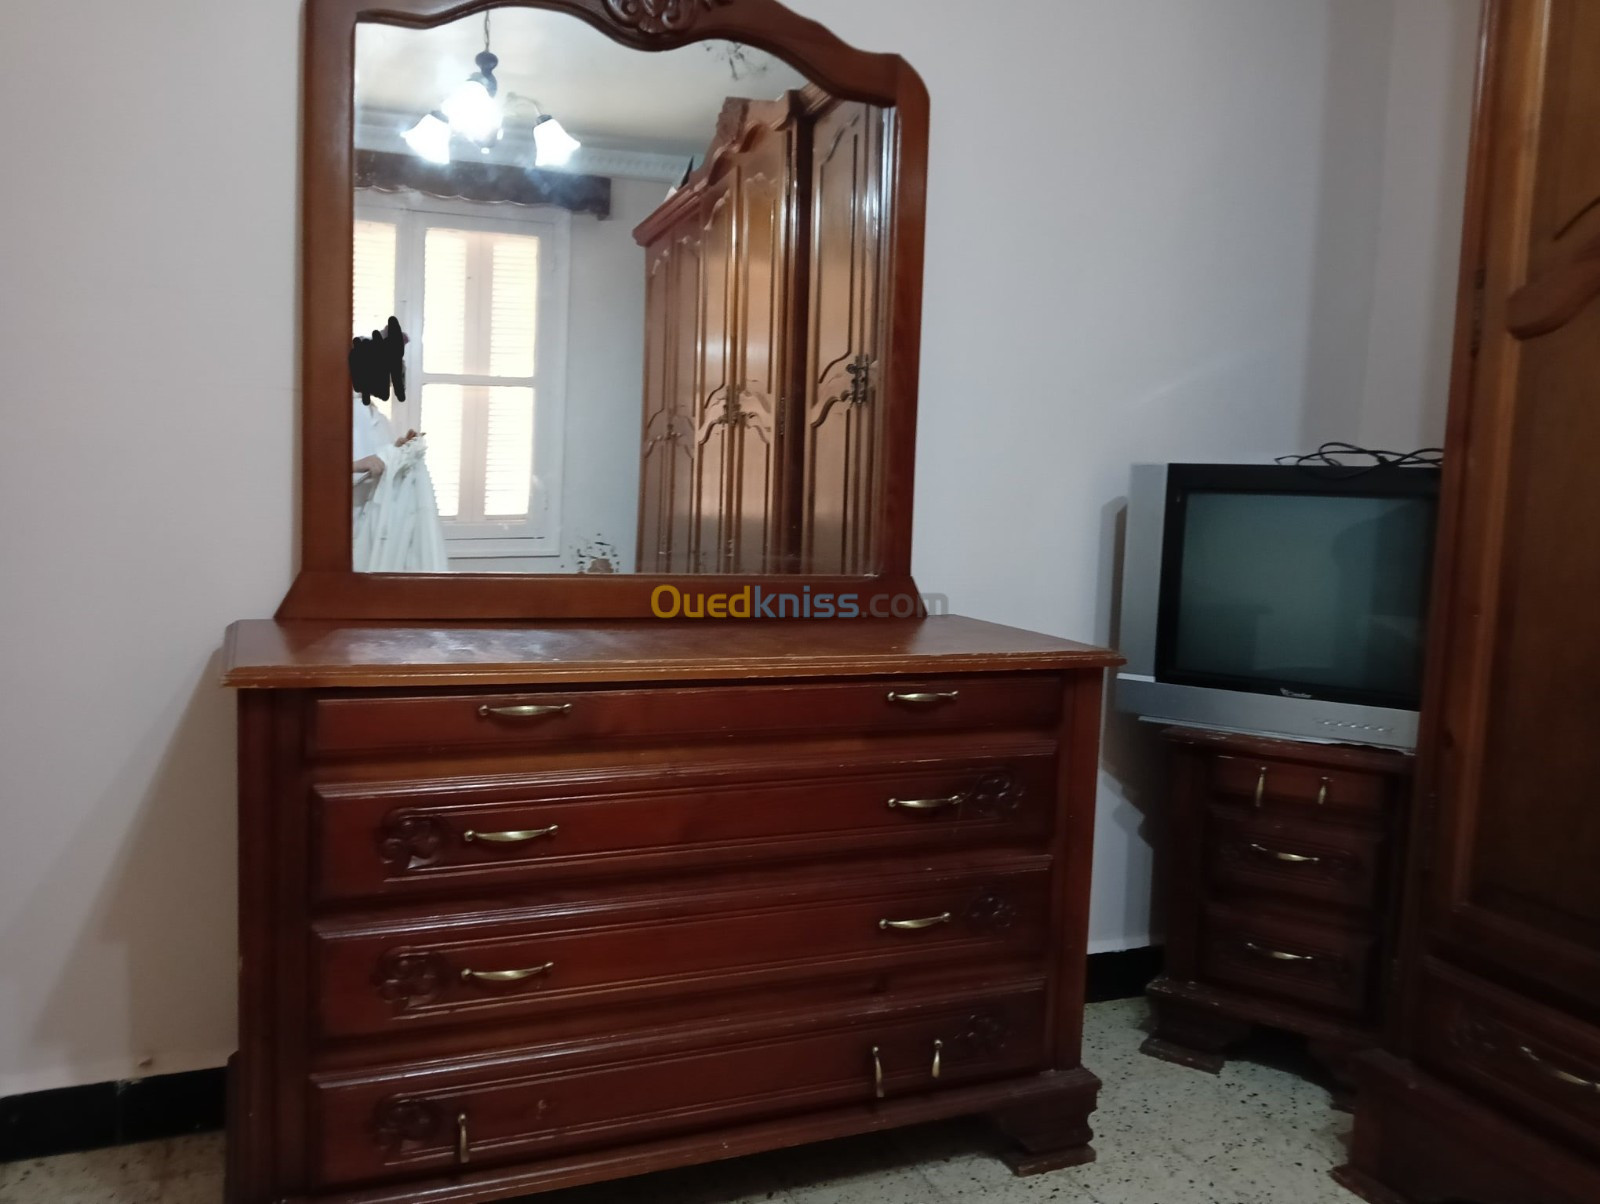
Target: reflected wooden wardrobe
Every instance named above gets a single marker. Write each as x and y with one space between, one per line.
763 343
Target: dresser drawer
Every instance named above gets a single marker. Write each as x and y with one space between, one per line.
412 838
342 725
403 975
432 1120
1538 1063
1285 856
1263 780
1325 966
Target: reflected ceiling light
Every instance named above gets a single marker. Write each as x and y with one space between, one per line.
472 109
553 146
474 112
430 138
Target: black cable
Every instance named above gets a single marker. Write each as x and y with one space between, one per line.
1327 455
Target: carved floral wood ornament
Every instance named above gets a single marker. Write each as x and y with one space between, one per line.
661 16
326 587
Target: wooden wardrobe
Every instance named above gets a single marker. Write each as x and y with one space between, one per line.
1490 1091
763 341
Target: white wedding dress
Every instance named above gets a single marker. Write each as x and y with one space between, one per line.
396 519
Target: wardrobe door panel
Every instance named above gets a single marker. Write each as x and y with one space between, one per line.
1527 883
1515 893
714 395
668 449
843 420
1567 202
762 350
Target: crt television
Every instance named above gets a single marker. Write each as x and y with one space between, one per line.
1278 599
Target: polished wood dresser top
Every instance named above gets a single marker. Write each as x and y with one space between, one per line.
272 654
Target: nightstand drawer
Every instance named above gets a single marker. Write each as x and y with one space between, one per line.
1327 967
1262 780
1298 859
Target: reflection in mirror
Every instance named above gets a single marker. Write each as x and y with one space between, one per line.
638 300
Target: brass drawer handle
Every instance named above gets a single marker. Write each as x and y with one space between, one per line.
522 837
938 1049
926 804
528 712
461 1138
1261 786
1278 955
877 1073
1291 858
1322 793
922 700
913 925
1555 1072
506 975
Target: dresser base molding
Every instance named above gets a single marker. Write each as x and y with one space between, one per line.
1196 1024
1418 1140
1051 1107
1049 1134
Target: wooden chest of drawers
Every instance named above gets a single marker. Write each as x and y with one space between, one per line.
1280 865
577 902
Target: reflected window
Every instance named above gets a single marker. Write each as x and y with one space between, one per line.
374 299
482 291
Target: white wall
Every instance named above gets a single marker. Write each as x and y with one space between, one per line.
605 379
1157 229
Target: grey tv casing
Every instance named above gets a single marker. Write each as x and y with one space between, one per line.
1138 692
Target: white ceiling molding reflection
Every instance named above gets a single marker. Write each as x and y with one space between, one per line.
381 131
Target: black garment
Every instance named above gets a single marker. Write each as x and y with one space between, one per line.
379 362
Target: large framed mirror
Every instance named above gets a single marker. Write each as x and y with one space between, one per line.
602 296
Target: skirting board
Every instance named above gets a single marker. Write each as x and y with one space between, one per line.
70 1119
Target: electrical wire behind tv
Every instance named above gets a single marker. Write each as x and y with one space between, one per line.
1329 456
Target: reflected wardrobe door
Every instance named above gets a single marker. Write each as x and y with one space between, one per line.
844 418
666 471
765 221
714 397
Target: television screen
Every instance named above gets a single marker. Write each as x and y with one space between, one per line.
1316 593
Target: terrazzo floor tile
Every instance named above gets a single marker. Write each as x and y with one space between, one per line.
1261 1132
122 1175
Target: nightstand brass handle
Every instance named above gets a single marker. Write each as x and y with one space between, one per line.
1278 955
506 975
1261 786
1291 858
522 837
926 804
1557 1073
528 712
461 1138
1322 793
877 1073
924 699
938 1048
913 925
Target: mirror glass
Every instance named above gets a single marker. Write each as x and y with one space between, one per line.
614 310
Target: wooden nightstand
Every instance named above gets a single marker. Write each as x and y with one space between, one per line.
1280 871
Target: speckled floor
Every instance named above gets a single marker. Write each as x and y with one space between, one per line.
1255 1134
